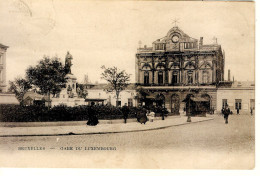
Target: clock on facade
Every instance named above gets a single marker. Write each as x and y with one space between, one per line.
175 38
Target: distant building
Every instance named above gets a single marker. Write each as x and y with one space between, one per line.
33 98
176 67
239 95
5 97
98 95
3 84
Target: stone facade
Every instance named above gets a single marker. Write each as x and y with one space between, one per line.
177 65
3 84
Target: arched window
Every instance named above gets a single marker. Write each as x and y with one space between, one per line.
205 77
146 77
190 77
160 77
174 77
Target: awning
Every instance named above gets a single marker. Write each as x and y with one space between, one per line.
150 97
198 99
94 99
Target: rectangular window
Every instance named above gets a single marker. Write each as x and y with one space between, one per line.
238 103
130 102
118 103
252 103
224 102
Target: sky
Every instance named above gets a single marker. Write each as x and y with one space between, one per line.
100 33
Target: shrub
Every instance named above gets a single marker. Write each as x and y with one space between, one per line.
18 113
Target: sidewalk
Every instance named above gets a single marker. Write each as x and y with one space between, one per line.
102 128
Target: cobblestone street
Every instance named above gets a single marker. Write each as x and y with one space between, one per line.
210 144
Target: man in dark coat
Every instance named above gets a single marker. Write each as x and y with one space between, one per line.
142 116
92 115
226 113
125 111
237 110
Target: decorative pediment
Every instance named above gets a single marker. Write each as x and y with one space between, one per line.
190 66
205 65
160 66
174 65
146 67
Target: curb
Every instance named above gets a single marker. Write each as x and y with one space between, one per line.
108 132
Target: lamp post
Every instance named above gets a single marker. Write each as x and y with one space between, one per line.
163 111
189 117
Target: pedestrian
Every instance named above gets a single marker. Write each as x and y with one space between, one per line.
237 111
251 111
163 112
226 113
213 109
125 111
143 117
92 115
151 114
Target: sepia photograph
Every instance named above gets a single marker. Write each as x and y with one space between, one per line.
127 84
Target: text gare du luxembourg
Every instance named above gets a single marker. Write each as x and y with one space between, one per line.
68 148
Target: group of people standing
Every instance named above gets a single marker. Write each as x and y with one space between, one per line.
142 115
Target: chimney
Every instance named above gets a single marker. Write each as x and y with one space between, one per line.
201 41
228 74
144 46
140 43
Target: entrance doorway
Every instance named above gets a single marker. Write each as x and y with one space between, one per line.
206 104
160 100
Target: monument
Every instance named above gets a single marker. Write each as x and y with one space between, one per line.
70 95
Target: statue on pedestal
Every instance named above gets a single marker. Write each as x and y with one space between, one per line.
68 63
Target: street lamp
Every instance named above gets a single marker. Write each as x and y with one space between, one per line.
189 117
163 111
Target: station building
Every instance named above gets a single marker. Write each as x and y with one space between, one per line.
176 67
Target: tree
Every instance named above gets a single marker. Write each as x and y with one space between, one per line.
19 87
117 80
48 76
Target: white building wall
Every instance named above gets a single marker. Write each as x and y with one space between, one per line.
123 96
3 83
231 94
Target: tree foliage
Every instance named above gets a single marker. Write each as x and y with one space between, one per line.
19 87
48 75
117 80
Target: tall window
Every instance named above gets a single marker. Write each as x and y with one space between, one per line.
205 77
146 77
238 103
190 77
174 77
130 102
160 77
1 75
224 102
252 103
